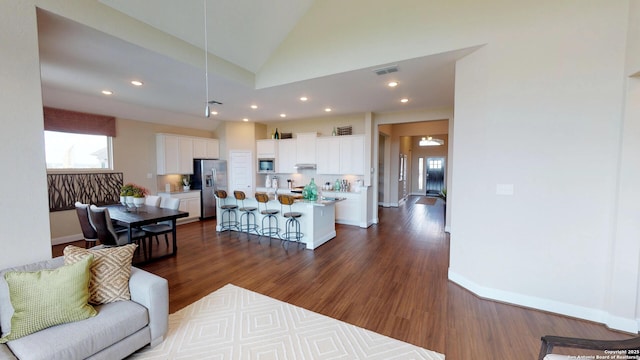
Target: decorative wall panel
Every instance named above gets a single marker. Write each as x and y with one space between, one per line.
89 188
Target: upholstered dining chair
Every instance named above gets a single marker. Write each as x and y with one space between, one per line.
107 235
631 347
163 227
152 200
88 232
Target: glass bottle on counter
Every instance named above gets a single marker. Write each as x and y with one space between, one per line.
336 187
277 135
313 191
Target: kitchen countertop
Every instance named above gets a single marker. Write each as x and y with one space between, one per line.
322 201
177 192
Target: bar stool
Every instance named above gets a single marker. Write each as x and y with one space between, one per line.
268 215
248 213
292 220
227 209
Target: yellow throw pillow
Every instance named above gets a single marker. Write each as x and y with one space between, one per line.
110 271
48 297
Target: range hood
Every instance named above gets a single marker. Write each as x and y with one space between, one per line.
304 166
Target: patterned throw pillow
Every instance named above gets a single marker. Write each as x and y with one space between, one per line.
46 298
110 271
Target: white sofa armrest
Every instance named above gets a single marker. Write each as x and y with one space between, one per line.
152 292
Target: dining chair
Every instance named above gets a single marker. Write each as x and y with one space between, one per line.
88 232
107 235
163 227
152 200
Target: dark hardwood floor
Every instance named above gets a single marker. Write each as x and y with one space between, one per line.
390 278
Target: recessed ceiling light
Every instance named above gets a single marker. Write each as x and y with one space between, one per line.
254 106
245 119
213 112
107 92
393 84
327 109
283 115
405 100
136 83
303 98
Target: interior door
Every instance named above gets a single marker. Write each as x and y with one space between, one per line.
241 172
435 175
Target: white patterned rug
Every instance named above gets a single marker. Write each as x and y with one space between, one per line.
235 323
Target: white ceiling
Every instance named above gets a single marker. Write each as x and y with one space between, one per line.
77 62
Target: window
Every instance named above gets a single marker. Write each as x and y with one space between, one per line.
435 164
420 173
77 151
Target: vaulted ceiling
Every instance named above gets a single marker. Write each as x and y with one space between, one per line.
79 61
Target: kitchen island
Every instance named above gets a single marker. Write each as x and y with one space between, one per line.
317 222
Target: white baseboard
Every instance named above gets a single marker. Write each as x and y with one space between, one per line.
580 312
387 204
66 239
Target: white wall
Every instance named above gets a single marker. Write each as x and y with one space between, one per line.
24 216
541 109
539 106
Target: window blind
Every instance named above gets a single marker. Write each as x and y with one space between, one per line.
78 122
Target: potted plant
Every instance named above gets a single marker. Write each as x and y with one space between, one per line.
139 194
186 182
130 192
126 194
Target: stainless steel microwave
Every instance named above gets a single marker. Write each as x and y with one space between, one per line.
266 166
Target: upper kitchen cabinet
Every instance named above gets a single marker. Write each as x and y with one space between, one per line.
286 162
352 159
306 148
175 153
328 155
204 148
266 149
341 155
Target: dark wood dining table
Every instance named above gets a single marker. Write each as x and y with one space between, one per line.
145 215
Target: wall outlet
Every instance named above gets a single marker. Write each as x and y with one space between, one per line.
504 189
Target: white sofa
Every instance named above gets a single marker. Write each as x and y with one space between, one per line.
119 329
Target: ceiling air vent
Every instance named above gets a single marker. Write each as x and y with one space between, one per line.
386 70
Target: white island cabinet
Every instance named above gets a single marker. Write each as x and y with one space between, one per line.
353 209
317 222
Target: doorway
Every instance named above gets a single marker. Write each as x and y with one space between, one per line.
434 175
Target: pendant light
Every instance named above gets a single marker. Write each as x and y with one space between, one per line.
207 109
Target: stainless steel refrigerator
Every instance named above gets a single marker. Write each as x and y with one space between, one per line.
209 176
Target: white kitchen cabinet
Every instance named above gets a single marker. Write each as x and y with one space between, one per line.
267 149
175 153
340 155
306 148
167 154
352 159
286 160
204 148
185 155
189 202
328 155
352 210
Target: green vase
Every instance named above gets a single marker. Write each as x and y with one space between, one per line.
313 191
